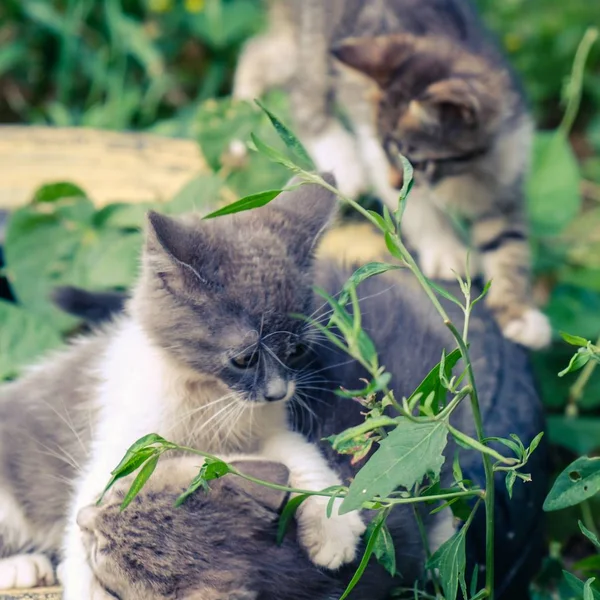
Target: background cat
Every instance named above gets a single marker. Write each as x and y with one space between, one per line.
419 77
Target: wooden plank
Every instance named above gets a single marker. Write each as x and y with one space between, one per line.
35 594
111 166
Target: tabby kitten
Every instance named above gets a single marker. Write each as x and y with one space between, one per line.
420 78
206 354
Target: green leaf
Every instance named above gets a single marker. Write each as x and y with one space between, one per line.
140 480
273 154
578 482
381 223
580 587
384 548
361 274
379 523
24 337
553 195
211 469
442 292
288 514
289 139
511 477
588 564
450 561
578 361
247 203
409 453
574 340
433 383
57 191
392 245
589 535
198 482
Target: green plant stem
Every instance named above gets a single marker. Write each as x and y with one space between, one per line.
488 469
576 81
487 466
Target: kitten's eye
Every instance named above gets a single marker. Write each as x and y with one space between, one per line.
245 361
299 352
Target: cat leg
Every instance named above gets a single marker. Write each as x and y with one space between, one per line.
502 241
330 542
429 231
26 571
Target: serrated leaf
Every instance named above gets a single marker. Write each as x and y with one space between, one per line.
589 535
574 340
578 482
450 561
289 139
247 203
140 480
384 548
410 452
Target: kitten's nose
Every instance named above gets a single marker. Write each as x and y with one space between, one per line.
278 389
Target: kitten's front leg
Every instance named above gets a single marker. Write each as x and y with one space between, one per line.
330 542
502 241
429 231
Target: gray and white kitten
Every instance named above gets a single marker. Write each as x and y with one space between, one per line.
206 355
419 77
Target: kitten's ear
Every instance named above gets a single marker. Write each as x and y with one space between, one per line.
377 57
450 102
268 471
167 236
308 211
169 248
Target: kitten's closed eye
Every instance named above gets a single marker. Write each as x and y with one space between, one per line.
245 361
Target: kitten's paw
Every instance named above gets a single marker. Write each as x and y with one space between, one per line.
332 542
335 150
531 329
446 260
26 571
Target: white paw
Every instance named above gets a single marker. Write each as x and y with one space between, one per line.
332 542
441 260
25 571
531 329
335 150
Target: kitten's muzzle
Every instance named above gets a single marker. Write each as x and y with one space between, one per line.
278 390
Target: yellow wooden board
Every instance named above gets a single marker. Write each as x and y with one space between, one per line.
110 166
36 594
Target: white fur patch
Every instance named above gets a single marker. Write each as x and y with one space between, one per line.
532 329
441 530
335 150
25 571
330 542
